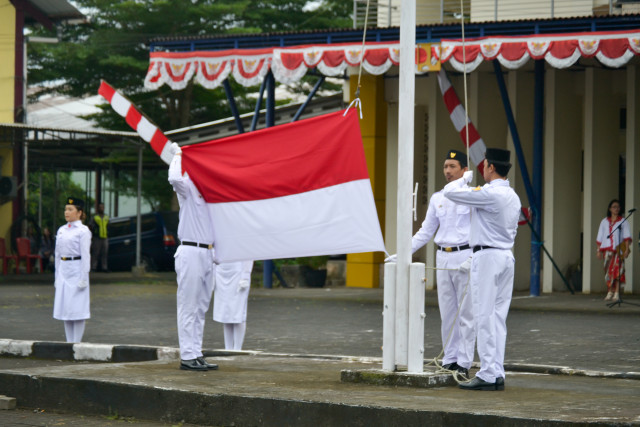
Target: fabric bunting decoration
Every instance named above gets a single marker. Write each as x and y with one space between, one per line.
289 64
294 190
460 120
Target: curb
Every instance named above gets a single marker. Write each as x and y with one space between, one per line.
86 351
137 353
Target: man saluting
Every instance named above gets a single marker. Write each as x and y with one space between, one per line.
495 209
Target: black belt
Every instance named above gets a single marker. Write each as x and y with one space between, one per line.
199 245
70 258
481 248
453 248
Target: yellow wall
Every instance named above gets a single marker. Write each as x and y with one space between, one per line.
7 50
363 270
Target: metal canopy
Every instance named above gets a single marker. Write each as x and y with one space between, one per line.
55 10
54 149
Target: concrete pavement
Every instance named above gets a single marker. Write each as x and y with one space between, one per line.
293 376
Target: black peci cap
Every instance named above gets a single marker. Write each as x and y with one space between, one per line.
498 156
76 202
459 156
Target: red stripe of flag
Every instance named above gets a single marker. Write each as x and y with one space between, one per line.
285 160
158 141
106 91
133 117
451 99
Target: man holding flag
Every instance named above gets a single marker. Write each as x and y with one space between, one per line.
194 266
449 223
495 209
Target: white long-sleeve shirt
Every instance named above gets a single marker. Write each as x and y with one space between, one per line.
72 240
450 220
606 243
195 221
495 209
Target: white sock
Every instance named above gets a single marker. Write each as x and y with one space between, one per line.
238 335
228 335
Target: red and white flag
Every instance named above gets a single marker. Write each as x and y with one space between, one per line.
294 190
461 121
298 189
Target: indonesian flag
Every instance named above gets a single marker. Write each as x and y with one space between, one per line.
461 121
293 190
298 189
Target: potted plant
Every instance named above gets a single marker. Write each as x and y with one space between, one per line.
310 272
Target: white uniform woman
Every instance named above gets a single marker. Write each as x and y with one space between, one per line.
230 299
73 262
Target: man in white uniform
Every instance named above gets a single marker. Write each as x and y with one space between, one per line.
194 266
495 209
451 221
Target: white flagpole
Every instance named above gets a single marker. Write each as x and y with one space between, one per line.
405 173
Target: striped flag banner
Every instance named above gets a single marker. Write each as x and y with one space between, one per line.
460 121
145 128
293 190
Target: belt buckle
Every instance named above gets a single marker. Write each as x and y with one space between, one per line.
210 246
448 249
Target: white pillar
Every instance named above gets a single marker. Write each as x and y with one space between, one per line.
600 169
632 195
435 119
405 173
563 163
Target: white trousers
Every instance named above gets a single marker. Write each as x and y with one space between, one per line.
491 290
459 346
195 275
234 335
74 330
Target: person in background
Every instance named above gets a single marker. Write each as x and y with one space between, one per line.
100 240
231 295
47 247
72 266
613 246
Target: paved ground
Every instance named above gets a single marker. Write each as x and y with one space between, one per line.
576 331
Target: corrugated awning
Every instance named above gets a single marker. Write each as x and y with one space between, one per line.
290 64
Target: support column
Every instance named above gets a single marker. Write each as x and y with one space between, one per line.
600 170
363 270
632 195
563 162
520 90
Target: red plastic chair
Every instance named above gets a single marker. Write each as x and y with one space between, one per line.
5 258
24 252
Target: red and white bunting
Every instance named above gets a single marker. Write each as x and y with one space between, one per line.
147 131
249 66
612 48
460 121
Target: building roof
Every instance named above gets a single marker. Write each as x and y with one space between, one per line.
56 10
424 33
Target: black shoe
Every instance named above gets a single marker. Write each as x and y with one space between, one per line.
463 371
500 383
451 366
192 365
209 366
478 384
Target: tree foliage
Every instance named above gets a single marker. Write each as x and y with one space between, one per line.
114 45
